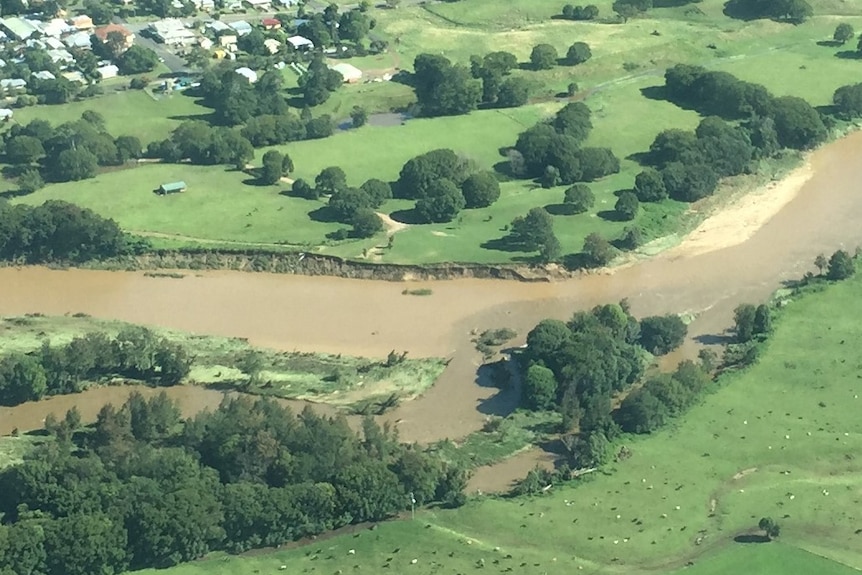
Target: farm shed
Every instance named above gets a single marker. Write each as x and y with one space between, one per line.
172 188
349 72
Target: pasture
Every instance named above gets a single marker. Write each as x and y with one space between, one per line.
780 439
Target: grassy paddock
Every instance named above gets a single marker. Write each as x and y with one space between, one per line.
338 380
779 439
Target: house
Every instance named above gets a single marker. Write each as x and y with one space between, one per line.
44 75
300 43
241 27
172 188
272 45
78 40
227 40
128 37
349 72
218 26
109 71
61 56
173 32
19 28
13 84
248 74
5 114
284 3
74 76
207 5
53 44
257 3
205 43
270 24
82 22
55 27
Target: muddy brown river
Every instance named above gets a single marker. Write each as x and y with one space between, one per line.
371 318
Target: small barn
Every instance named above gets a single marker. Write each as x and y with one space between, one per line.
172 188
349 72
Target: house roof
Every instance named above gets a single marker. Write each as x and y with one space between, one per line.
270 22
297 41
172 186
218 26
6 113
248 73
82 21
240 26
19 27
44 75
13 83
348 71
103 31
78 40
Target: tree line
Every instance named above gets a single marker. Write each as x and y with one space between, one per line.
57 231
70 151
134 353
576 367
143 488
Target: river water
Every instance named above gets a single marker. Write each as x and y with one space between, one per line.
371 318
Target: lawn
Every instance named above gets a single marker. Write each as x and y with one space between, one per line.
337 380
133 112
780 439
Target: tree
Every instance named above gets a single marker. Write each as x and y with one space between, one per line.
128 148
598 250
769 527
540 388
319 81
689 183
273 166
378 191
330 180
596 163
354 26
798 124
821 263
649 186
358 116
287 166
625 10
843 32
641 412
366 223
480 190
513 92
573 120
30 180
344 203
543 57
137 60
579 198
578 53
444 89
841 266
632 238
848 101
627 205
305 190
253 43
441 204
24 149
529 233
73 165
661 334
743 318
762 320
418 175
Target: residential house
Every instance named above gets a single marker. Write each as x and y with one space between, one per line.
74 76
218 26
349 72
78 40
270 24
19 28
128 37
82 22
272 45
300 43
109 71
61 56
241 27
55 27
259 4
13 84
205 43
173 32
284 3
248 74
6 114
227 40
207 5
54 44
44 75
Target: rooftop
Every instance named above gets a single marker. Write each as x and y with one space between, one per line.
19 27
103 31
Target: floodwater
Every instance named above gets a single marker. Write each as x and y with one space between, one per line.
371 318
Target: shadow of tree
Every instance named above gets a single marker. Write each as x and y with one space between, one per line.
561 209
408 216
505 244
849 55
751 538
323 214
611 216
829 43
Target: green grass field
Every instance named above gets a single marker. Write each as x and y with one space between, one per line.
780 439
336 380
224 207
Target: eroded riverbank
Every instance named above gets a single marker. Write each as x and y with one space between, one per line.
370 318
